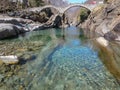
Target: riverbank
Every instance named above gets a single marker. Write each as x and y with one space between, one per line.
103 25
29 21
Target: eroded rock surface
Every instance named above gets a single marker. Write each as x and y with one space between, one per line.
105 21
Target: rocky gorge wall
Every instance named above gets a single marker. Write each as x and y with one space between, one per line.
103 26
104 21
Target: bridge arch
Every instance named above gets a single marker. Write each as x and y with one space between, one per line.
39 9
50 6
60 9
76 5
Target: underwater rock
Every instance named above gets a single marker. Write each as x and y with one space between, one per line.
9 59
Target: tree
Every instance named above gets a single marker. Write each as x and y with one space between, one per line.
84 13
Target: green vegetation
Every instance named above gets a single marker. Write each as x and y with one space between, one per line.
108 1
6 5
35 3
105 1
84 13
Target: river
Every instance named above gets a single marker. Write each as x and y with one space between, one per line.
67 61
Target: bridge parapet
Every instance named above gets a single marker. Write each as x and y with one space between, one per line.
62 9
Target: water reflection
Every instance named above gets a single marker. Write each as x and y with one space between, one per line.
72 66
66 62
72 36
111 58
110 55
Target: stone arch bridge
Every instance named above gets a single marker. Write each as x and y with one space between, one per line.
61 10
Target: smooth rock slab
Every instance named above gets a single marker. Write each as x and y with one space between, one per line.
102 41
10 30
9 59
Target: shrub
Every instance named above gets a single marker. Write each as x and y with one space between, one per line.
35 3
84 13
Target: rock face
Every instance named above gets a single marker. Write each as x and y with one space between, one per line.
17 22
105 21
12 27
54 21
9 30
36 16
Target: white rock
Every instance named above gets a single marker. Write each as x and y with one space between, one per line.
102 41
9 59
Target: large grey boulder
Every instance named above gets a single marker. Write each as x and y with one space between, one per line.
10 30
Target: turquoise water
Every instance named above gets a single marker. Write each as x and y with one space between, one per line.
68 61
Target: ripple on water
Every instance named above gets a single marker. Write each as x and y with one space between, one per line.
76 56
83 65
72 66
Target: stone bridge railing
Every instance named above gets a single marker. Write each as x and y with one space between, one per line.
61 9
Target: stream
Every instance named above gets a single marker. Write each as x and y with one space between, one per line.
65 59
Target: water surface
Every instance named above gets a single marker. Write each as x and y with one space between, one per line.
68 61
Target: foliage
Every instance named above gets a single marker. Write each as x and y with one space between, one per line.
6 5
35 3
108 1
84 13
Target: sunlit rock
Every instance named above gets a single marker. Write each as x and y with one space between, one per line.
102 41
9 59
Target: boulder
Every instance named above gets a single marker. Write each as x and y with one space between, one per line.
10 30
111 36
9 59
102 41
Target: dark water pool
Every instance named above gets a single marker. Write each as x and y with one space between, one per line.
68 61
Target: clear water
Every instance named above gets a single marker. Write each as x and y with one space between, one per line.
67 62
